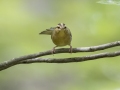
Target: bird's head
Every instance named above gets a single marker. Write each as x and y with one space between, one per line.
61 26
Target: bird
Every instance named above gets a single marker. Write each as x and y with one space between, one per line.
60 35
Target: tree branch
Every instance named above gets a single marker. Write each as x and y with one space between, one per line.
73 59
32 58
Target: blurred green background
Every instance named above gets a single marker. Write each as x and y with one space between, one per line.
91 24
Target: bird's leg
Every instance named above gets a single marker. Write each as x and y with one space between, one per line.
70 50
53 50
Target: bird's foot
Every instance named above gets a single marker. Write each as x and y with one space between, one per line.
53 50
70 50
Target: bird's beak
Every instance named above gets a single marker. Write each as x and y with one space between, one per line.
62 27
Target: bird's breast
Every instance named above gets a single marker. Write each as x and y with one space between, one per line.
61 38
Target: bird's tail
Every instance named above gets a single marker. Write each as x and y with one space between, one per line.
47 32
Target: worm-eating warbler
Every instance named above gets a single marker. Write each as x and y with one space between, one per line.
60 35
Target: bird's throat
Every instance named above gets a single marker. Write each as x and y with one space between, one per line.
61 33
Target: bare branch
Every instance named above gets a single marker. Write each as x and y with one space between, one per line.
73 59
32 58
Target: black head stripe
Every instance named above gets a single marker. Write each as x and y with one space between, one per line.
61 25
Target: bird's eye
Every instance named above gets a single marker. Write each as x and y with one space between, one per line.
58 27
64 27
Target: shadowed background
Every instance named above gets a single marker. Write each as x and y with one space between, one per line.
91 24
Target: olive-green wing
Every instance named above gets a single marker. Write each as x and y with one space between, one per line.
69 32
48 31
